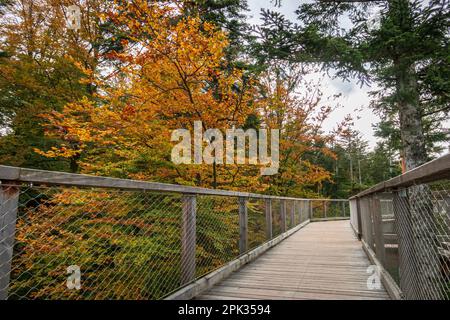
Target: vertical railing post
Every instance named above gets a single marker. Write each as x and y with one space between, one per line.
300 208
283 215
343 208
9 201
324 208
378 229
358 217
268 211
188 238
310 209
243 225
366 220
293 214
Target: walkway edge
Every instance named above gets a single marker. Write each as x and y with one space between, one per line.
386 279
197 287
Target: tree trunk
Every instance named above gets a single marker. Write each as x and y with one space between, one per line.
418 219
407 95
413 139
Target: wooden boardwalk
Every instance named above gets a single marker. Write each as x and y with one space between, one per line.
324 260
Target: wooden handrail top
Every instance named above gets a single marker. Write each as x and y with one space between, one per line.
45 177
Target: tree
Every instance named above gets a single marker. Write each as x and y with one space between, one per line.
407 56
38 73
382 164
289 103
170 75
229 16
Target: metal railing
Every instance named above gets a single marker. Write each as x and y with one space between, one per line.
73 236
405 221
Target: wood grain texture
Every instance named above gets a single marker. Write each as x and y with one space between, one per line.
243 225
9 199
324 260
188 238
44 177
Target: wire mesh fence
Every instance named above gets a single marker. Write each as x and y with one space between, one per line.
276 217
409 229
217 232
256 222
329 209
126 243
59 241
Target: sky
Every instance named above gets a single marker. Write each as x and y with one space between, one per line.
353 96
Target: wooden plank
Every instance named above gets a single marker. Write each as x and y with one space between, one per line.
329 219
220 297
9 199
322 261
268 293
352 290
188 238
84 180
308 284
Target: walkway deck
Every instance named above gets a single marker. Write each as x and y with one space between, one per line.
323 260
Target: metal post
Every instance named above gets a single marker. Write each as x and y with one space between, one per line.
378 229
283 215
358 217
268 211
188 238
300 209
243 225
366 203
293 214
9 200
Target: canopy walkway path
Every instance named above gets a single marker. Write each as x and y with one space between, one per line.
74 236
324 260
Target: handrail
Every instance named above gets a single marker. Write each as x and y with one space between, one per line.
433 170
404 228
46 177
288 215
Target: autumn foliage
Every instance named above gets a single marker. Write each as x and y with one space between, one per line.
170 74
121 91
172 70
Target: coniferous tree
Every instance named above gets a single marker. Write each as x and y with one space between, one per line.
407 55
